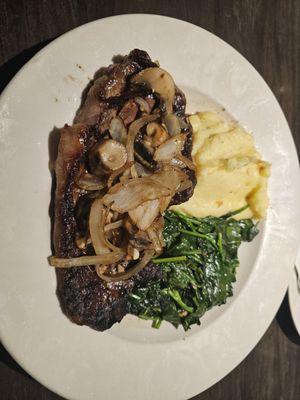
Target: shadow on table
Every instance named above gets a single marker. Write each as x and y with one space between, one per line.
285 321
12 66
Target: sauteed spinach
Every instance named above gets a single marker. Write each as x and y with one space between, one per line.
198 265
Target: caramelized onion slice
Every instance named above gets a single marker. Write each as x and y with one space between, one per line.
157 133
134 129
117 173
90 182
85 261
160 81
154 236
186 161
171 178
117 130
148 254
144 106
171 148
174 162
185 185
164 203
145 214
113 225
96 222
172 123
96 225
107 242
123 197
142 170
127 196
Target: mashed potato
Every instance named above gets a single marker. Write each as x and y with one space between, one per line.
230 172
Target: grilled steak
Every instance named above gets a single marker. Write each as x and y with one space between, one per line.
84 297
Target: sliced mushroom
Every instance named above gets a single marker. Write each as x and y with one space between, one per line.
160 81
107 156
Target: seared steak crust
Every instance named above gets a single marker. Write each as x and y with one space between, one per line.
84 297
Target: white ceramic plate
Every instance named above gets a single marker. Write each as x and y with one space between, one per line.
132 360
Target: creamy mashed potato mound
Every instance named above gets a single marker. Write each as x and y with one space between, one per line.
230 172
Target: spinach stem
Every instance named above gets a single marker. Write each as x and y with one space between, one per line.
232 213
156 322
199 235
176 297
168 259
187 218
220 245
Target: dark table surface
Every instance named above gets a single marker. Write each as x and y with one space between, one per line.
267 33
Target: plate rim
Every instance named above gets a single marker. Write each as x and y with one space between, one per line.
44 50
